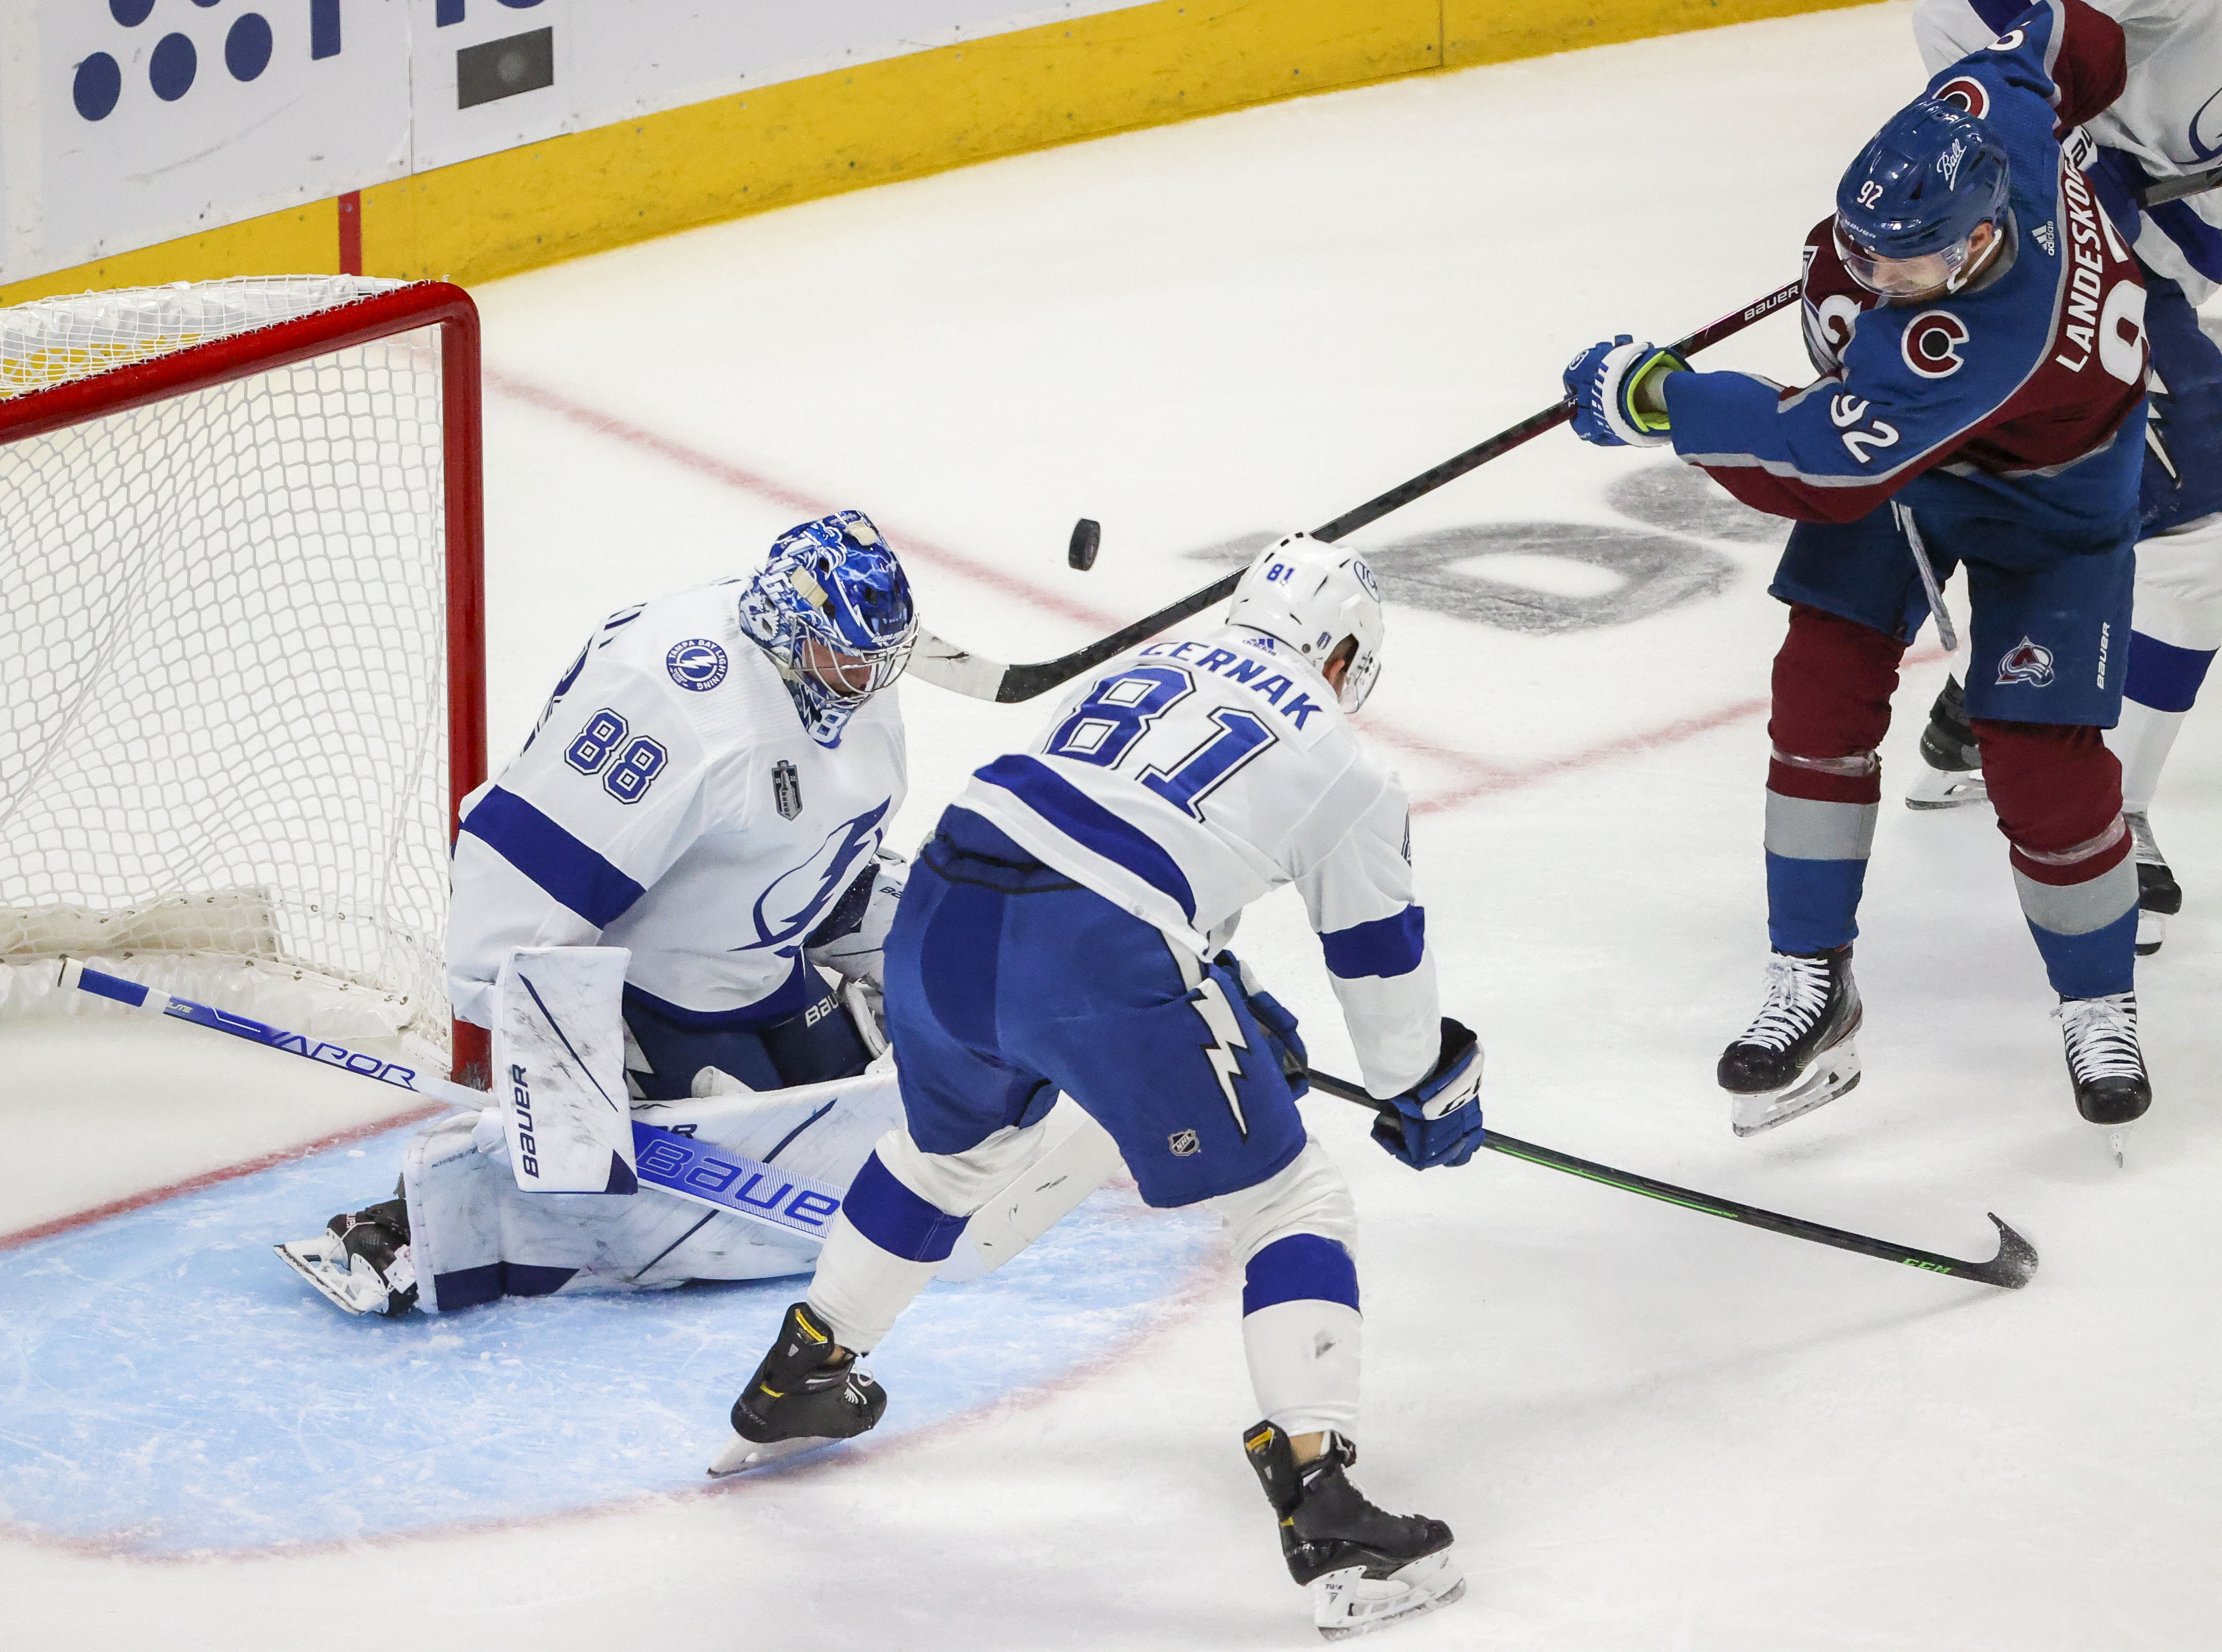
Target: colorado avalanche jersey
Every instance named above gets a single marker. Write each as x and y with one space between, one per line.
671 802
2006 402
1185 780
2169 117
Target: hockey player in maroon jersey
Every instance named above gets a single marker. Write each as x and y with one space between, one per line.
1978 326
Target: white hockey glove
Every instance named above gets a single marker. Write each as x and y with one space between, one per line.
855 953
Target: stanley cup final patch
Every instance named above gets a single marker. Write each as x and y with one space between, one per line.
786 789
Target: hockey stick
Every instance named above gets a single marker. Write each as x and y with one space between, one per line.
946 666
2010 1269
666 1160
2175 189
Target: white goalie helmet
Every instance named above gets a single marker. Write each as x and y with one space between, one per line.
1311 597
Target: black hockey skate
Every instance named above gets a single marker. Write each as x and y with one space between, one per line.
2105 1064
806 1393
1366 1569
1798 1053
2159 897
360 1261
1952 764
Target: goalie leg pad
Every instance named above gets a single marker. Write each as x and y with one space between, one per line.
476 1237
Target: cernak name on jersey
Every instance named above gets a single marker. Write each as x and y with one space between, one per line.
1121 707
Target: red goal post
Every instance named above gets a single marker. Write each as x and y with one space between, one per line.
244 540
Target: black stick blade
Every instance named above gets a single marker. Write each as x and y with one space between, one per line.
2014 1264
1086 536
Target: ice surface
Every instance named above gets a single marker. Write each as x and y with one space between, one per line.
1650 1429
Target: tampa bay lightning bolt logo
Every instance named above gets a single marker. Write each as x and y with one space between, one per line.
792 906
1932 343
2025 662
697 664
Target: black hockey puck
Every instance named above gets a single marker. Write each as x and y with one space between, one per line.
1086 536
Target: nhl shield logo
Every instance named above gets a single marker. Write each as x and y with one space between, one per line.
2025 662
786 789
1185 1144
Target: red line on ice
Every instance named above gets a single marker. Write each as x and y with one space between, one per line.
1477 776
213 1178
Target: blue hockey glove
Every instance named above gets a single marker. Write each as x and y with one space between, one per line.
1438 1120
1602 382
1275 1021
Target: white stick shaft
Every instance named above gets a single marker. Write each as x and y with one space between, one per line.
1945 634
152 1001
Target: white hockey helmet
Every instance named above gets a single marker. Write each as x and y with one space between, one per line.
1311 597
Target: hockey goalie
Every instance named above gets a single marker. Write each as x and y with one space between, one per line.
652 905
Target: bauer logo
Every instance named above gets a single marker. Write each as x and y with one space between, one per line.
697 664
520 1099
2027 662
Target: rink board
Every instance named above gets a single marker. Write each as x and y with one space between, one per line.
172 1389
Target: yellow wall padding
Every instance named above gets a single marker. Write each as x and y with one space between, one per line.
901 117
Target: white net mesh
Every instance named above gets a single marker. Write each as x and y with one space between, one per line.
223 692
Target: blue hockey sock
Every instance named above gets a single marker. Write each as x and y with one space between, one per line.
2086 932
1816 865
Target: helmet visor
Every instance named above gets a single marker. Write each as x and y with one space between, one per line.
1901 278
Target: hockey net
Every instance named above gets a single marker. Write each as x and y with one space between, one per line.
240 677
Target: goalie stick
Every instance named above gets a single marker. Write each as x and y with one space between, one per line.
1071 1167
947 666
665 1160
2010 1269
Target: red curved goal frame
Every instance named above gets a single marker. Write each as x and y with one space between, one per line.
363 321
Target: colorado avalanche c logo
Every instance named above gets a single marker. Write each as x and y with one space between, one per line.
1969 93
1932 343
2025 662
697 664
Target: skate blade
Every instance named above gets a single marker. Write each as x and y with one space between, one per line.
2152 930
1348 1603
2117 1143
1833 1072
741 1455
1939 788
325 1264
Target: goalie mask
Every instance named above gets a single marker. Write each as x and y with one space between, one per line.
832 608
1311 597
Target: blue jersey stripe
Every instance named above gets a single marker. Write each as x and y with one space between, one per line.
1080 818
2199 241
2163 676
566 868
1388 946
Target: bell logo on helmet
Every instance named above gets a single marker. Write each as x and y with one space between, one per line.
2027 662
1949 163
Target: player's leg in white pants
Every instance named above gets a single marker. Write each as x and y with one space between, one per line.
901 1219
2176 627
1295 1235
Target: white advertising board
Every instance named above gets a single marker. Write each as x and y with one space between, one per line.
127 122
